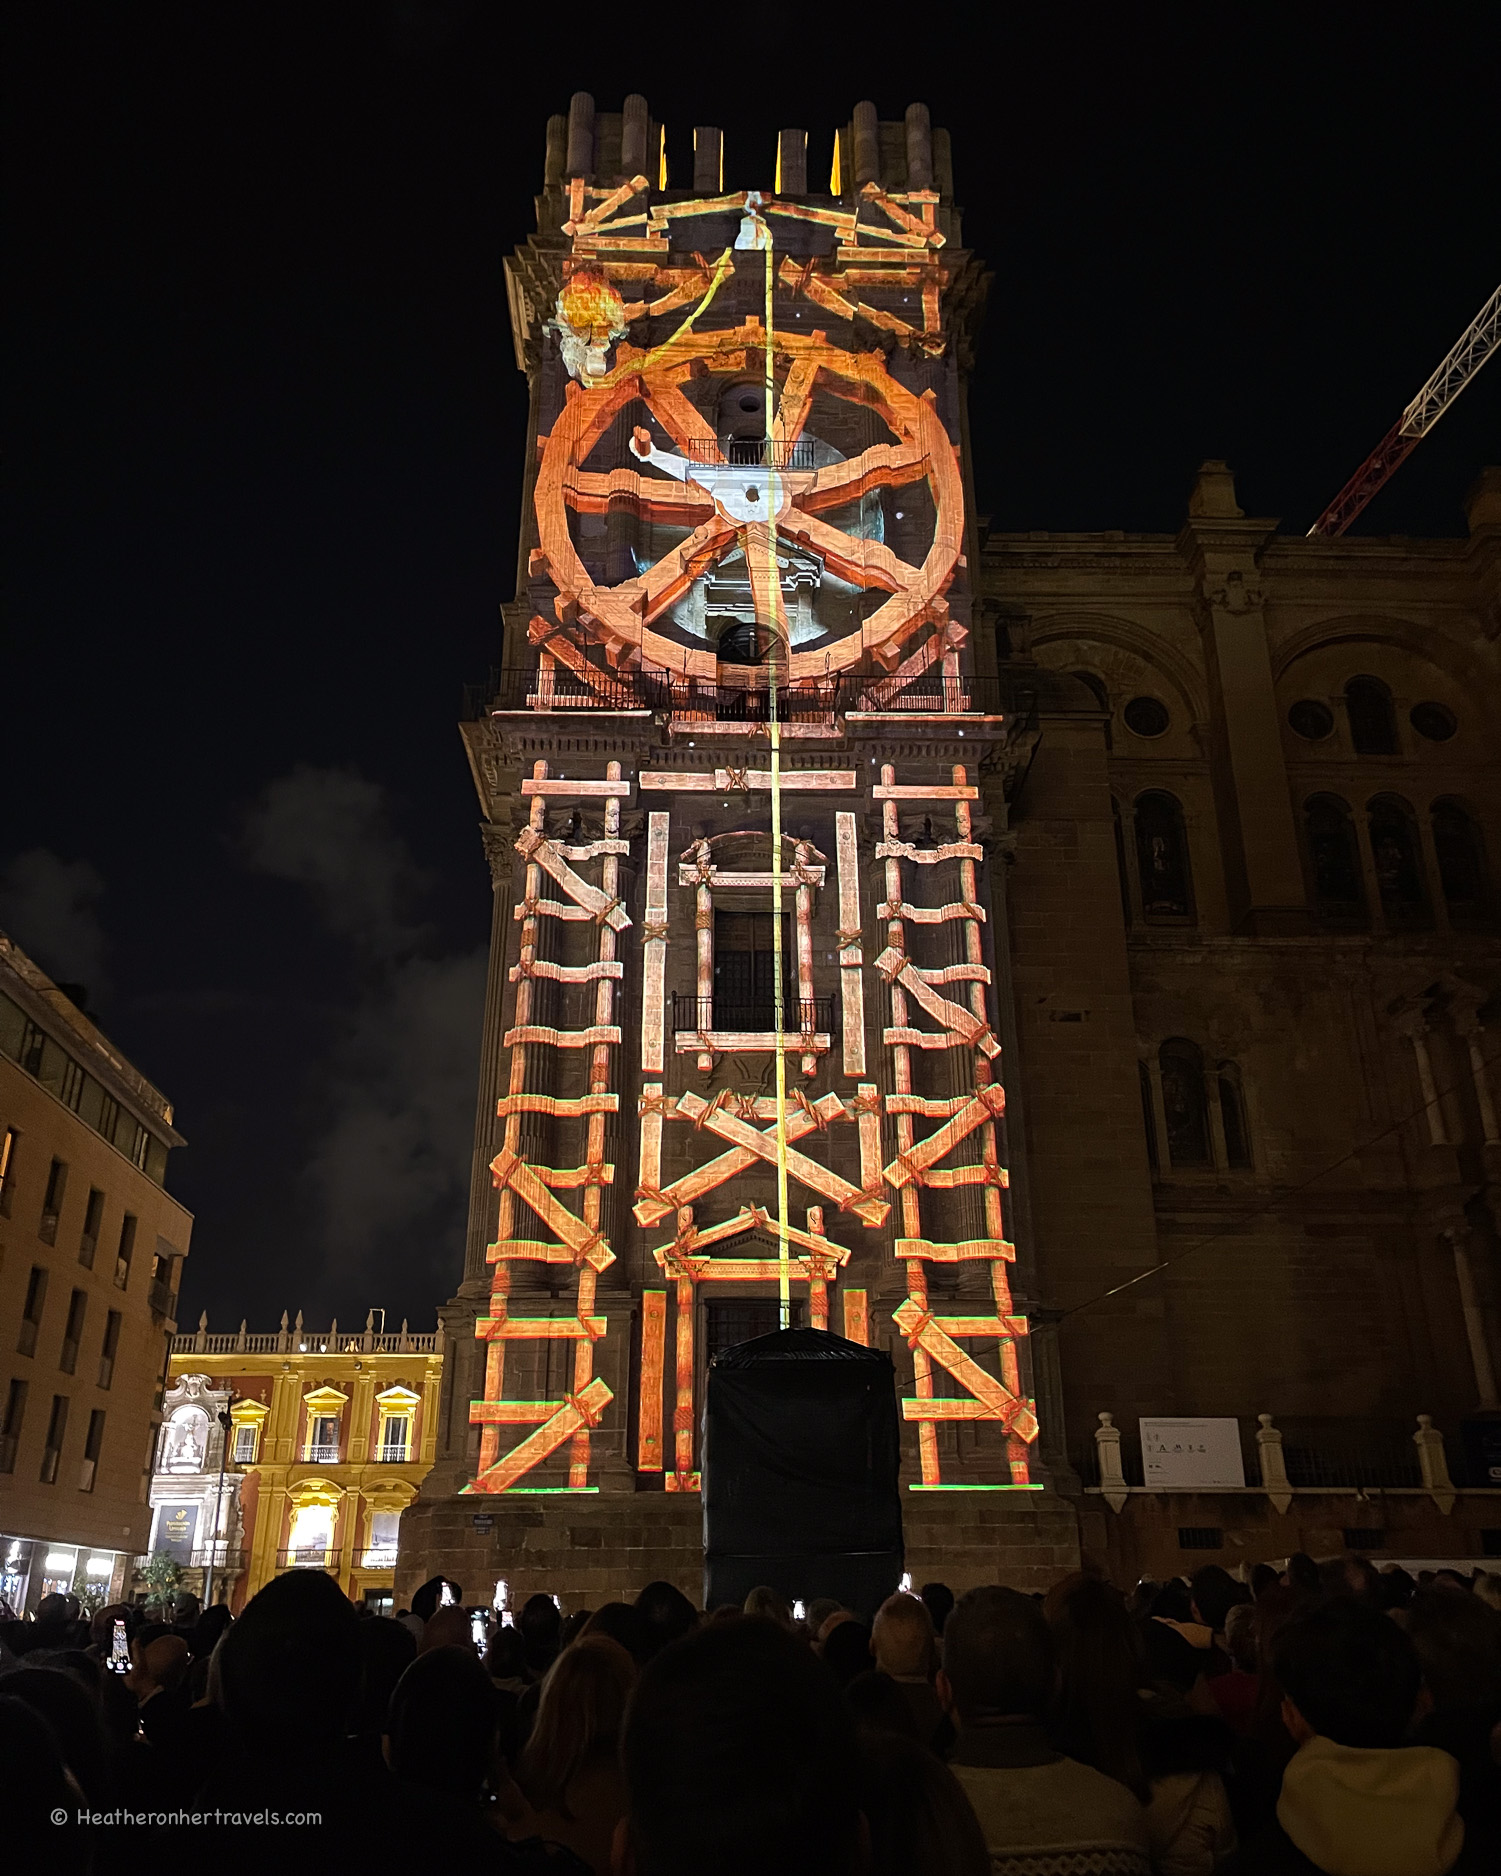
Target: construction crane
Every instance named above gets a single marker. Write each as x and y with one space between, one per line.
1473 349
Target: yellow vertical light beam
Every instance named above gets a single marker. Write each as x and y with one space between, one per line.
773 585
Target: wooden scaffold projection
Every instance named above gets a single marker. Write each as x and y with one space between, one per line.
740 1122
577 1239
918 1166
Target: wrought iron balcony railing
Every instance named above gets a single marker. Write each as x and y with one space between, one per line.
1016 696
691 1014
309 1557
320 1452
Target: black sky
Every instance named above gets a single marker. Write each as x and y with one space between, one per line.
265 434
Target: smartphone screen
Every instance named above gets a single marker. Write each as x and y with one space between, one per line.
119 1650
445 1595
477 1628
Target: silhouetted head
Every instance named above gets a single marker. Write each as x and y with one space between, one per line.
740 1759
441 1729
667 1614
901 1638
999 1661
579 1718
1352 1674
289 1669
540 1622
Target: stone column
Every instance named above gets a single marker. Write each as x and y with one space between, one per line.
1258 836
1411 1023
1107 1439
1274 1479
1458 1237
1467 1024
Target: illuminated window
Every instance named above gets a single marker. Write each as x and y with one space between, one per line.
245 1444
311 1539
380 1554
8 1144
397 1406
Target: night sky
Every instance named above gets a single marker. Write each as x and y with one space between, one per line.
265 431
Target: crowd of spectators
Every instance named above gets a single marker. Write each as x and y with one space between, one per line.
1332 1718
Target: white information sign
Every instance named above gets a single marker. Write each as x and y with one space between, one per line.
1191 1455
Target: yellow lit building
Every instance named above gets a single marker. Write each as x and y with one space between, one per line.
330 1435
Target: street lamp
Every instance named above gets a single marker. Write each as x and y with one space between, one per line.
225 1422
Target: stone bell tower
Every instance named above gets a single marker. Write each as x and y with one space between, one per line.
743 781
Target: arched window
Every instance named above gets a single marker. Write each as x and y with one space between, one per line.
1461 863
1399 867
1148 1118
1183 1106
1373 722
1233 1116
1334 859
1162 858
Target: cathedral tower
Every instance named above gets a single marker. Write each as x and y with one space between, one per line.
743 778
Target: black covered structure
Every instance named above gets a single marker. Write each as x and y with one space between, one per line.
800 1460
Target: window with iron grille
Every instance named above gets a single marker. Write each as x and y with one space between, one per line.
1200 1537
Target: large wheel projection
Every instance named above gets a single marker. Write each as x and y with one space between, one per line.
625 619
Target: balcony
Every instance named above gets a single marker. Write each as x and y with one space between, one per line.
309 1557
320 1453
160 1297
692 1014
671 696
378 1557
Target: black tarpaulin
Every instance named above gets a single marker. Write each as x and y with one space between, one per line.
801 1450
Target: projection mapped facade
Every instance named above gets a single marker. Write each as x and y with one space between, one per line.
741 782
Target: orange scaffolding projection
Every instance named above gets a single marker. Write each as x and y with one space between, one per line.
577 1239
918 1165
